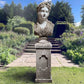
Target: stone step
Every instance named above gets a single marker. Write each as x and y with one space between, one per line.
56 48
51 38
56 51
34 50
33 47
30 50
30 44
30 47
54 41
48 40
56 45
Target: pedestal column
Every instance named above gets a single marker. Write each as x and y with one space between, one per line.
43 61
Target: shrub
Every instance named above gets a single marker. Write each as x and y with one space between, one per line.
13 51
3 35
64 26
75 56
73 44
2 26
22 30
31 38
81 64
12 39
28 25
15 21
5 56
8 27
12 44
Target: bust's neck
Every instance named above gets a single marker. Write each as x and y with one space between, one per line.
41 21
43 25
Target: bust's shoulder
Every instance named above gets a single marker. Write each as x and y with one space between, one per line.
35 25
50 23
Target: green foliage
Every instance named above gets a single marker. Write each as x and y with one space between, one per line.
73 45
15 21
12 44
29 25
13 10
31 38
22 30
2 26
61 11
5 56
82 21
4 35
3 16
81 64
12 39
8 43
71 25
30 12
61 27
75 56
13 51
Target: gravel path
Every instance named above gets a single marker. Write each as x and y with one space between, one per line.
29 59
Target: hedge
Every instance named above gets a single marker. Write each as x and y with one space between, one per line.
29 25
22 30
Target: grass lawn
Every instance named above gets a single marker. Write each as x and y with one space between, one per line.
26 75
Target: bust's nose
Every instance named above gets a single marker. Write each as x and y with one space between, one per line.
44 15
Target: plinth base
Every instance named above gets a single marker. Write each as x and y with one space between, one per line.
43 80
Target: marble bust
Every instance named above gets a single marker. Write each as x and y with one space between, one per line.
43 27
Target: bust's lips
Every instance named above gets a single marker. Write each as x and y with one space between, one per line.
44 17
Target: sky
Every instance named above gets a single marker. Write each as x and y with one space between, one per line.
75 5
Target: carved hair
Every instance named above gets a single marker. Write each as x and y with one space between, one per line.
43 4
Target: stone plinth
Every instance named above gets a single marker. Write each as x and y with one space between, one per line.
43 61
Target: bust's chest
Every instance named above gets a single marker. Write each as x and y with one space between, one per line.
43 29
43 25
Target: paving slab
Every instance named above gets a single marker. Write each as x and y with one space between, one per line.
29 60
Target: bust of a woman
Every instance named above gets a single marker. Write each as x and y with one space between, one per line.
43 27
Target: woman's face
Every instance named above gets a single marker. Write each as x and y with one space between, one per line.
43 13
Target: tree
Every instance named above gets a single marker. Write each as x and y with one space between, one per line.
12 8
30 12
61 12
82 21
6 9
18 10
3 16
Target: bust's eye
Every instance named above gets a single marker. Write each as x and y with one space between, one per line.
42 11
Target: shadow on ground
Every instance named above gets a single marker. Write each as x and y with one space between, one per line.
28 77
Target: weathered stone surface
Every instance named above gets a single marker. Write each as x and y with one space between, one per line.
43 61
43 28
43 44
43 80
47 31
